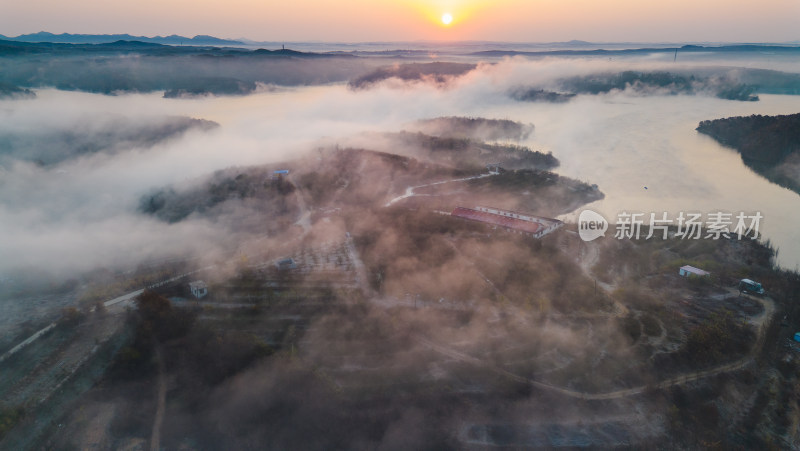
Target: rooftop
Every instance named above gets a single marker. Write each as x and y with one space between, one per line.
694 270
495 219
518 213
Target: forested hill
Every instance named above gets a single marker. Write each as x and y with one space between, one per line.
770 145
763 139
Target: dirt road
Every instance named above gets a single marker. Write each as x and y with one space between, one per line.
410 190
304 220
761 321
27 341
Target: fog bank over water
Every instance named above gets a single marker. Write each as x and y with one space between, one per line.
81 212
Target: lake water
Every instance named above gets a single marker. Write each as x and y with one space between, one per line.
624 144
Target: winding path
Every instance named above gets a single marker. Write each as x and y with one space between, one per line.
304 220
410 190
761 321
27 341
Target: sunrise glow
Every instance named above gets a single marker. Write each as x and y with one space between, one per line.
398 20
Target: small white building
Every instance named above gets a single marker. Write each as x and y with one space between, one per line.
687 271
199 288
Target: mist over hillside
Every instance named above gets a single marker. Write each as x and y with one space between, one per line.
233 248
125 66
106 134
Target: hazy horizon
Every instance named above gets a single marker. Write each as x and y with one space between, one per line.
248 39
407 20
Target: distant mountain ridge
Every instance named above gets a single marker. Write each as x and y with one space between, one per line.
67 38
782 48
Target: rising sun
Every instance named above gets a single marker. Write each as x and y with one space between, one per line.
447 18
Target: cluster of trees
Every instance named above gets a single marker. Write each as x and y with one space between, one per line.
672 83
521 179
10 91
512 156
434 143
467 153
770 145
767 140
540 95
437 72
475 128
226 86
9 417
254 184
197 356
597 84
197 353
154 321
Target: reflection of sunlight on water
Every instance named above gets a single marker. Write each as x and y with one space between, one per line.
651 142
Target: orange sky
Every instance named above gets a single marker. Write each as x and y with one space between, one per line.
402 20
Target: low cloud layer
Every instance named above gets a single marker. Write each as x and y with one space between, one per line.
79 212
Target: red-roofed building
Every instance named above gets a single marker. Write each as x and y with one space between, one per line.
513 221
